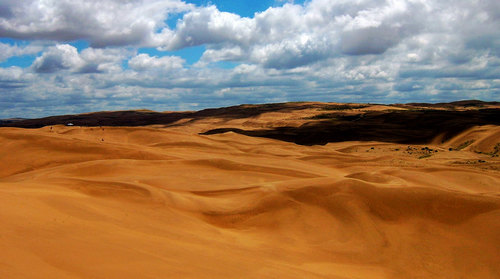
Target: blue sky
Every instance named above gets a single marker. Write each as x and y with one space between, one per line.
72 56
245 8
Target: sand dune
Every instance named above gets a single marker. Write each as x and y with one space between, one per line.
161 202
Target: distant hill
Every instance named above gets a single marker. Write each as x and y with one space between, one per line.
464 103
144 117
10 121
327 122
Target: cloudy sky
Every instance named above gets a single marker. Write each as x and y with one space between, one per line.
66 56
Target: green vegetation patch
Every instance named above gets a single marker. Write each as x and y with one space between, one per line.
464 145
496 149
425 156
495 152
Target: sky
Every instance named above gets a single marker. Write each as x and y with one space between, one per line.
66 56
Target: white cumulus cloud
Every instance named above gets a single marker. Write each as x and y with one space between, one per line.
102 22
66 57
7 51
144 62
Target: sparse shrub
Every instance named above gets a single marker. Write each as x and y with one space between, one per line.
464 145
425 156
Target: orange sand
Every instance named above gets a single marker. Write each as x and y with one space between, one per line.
153 202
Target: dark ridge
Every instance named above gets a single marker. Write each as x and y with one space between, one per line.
115 118
10 120
451 105
143 118
472 103
416 127
420 124
244 111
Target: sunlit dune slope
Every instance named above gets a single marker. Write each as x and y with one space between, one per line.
169 202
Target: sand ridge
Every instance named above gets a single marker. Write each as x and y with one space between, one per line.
156 202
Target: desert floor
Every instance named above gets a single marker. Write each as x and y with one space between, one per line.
167 202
